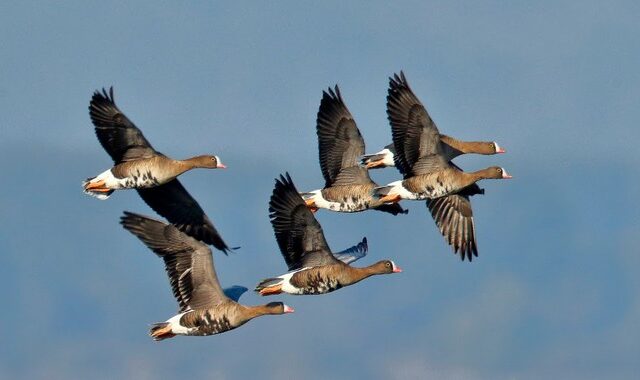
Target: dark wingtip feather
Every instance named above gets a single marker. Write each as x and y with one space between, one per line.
102 96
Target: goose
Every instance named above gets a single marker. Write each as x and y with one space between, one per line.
313 268
138 165
204 308
451 149
348 187
428 172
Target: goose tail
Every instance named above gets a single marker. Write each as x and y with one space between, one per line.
161 331
96 188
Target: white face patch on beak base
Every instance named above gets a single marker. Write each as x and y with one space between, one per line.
219 163
498 148
505 175
395 268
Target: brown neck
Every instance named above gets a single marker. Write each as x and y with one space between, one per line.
480 174
258 311
190 163
457 147
466 179
359 274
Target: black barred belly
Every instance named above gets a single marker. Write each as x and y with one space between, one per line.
318 285
207 324
354 204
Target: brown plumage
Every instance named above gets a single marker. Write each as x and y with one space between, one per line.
313 269
449 180
423 156
451 148
153 174
204 308
161 167
348 187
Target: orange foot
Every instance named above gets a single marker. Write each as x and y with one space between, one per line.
311 205
163 333
391 198
374 164
96 186
276 289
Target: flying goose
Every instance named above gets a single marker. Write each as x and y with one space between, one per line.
424 161
313 269
204 308
152 174
451 148
348 187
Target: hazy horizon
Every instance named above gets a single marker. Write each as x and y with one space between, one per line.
553 293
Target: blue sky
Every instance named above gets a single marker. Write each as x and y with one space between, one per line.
554 293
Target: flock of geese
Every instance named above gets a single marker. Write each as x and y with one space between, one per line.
421 154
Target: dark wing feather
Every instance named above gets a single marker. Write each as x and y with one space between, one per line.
415 135
393 208
340 143
172 201
117 134
188 262
454 217
353 253
297 231
353 175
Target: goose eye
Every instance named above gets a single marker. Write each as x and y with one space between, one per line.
388 264
499 170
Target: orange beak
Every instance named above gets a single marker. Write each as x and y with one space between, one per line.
374 164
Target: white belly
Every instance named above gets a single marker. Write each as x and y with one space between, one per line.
286 285
137 181
176 327
321 202
398 189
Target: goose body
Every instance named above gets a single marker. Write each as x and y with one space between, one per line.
323 279
313 268
143 173
436 184
451 148
352 198
348 187
204 307
211 321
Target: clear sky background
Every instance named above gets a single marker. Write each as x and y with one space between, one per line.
555 291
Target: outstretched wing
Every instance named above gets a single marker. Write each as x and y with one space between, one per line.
117 134
172 201
454 217
235 292
415 135
340 143
188 262
297 231
354 253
